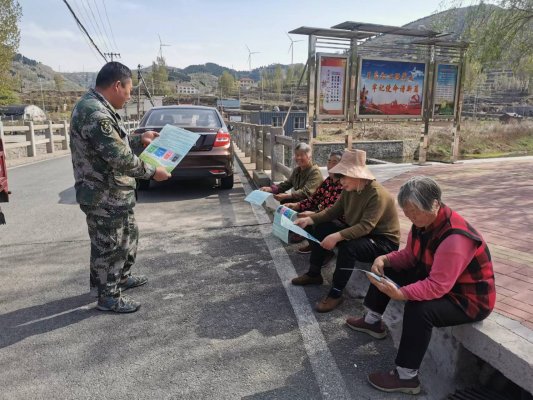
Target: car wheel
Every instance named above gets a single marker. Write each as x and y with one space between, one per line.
227 182
143 184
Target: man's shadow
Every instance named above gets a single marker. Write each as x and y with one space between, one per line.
19 324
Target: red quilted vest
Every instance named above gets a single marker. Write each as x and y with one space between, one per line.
474 290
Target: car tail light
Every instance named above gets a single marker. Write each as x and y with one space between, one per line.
222 139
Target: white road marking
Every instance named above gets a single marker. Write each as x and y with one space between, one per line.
327 373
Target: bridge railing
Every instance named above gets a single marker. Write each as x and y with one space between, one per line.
31 134
268 147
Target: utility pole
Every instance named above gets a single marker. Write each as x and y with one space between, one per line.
139 92
111 55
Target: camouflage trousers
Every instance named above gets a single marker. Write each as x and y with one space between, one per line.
114 236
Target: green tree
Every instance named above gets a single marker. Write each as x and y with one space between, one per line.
10 13
159 77
474 77
501 32
59 81
226 83
278 80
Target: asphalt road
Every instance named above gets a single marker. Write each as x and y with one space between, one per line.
219 318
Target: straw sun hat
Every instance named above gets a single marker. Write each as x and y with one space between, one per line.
353 164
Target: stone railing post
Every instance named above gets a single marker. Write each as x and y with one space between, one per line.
267 144
253 144
49 134
259 151
31 149
64 130
247 142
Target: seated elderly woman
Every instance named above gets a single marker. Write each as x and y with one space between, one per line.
304 179
445 276
372 227
325 196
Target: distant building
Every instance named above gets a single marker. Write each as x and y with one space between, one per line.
186 88
296 121
23 112
246 83
130 109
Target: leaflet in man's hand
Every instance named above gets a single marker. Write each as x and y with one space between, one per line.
169 148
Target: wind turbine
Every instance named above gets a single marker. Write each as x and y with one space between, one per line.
250 52
291 47
161 45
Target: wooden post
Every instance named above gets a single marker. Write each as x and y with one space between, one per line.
348 141
31 149
49 134
422 152
352 81
311 84
65 141
458 108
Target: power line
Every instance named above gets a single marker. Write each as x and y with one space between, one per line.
98 27
103 25
88 18
84 30
78 10
110 27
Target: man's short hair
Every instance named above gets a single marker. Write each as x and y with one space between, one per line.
111 72
304 147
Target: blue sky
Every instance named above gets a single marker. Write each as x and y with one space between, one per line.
198 31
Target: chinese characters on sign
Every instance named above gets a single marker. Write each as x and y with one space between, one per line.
391 88
331 85
445 86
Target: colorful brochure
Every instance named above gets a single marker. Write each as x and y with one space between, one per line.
287 223
257 197
169 148
278 229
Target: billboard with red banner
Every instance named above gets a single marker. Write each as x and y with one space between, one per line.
390 88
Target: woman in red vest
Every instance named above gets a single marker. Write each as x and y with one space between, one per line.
444 274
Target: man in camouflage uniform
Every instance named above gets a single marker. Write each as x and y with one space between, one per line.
105 169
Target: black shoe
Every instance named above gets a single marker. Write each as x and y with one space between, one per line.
305 249
132 281
121 304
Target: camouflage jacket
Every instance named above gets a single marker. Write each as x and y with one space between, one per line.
104 165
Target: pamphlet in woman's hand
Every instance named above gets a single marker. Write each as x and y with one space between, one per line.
377 277
169 148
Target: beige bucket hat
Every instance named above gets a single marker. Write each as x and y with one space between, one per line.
353 164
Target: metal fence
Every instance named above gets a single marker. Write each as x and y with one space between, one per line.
268 147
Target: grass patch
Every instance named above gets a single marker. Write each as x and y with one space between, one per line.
477 139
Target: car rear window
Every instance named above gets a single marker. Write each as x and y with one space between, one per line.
187 117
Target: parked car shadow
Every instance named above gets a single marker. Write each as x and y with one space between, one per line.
173 190
35 320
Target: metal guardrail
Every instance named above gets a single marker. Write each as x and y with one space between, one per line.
266 146
53 132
